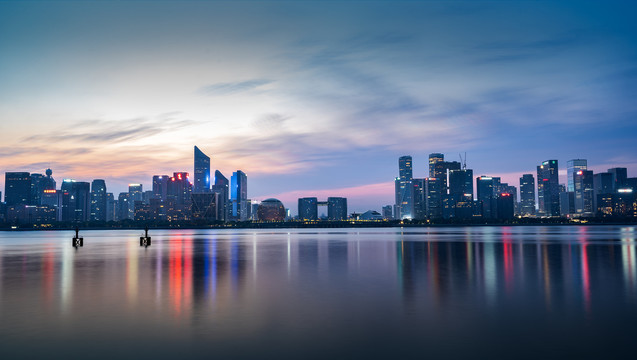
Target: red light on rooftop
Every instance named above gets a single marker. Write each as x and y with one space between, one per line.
172 179
505 194
580 172
179 176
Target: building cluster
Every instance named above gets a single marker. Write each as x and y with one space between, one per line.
448 193
35 199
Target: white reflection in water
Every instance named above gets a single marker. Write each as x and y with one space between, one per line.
67 277
629 260
132 271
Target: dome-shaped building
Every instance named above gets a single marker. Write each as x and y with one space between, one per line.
271 210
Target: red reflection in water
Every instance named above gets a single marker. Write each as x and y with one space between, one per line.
508 260
48 264
180 274
586 279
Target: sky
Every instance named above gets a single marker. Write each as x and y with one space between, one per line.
315 98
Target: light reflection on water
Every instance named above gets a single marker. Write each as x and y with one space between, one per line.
321 292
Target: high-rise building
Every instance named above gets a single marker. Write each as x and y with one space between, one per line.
135 194
405 168
17 188
123 209
419 199
435 170
202 172
239 195
404 191
98 200
204 206
387 212
486 197
160 186
111 207
336 208
178 196
222 187
75 201
548 189
308 208
459 202
620 175
602 185
505 206
434 194
573 166
583 195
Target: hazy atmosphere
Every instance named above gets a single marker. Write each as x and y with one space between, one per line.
314 99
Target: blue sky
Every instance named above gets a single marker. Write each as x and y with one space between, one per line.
315 97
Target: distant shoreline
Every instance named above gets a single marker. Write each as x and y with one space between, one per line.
304 225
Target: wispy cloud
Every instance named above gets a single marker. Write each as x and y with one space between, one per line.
233 87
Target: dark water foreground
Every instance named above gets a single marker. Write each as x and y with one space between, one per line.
478 292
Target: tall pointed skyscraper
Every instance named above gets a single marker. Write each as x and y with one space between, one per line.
202 172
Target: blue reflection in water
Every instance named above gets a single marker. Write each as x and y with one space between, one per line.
380 293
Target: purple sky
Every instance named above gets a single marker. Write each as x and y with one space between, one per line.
315 99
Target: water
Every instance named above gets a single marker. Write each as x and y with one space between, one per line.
498 292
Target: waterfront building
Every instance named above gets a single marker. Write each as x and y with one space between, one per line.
548 189
387 212
160 186
583 194
271 210
602 185
222 187
202 172
404 192
98 200
239 196
435 170
505 206
486 197
459 203
433 198
179 201
620 176
17 188
308 208
527 195
111 207
567 203
336 208
123 209
204 206
573 166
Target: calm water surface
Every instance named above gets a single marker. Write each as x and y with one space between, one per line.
499 292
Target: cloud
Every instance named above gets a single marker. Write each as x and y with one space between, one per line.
111 132
233 87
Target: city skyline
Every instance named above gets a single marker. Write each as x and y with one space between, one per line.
314 99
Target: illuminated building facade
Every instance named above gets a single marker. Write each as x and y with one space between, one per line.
308 208
336 208
548 189
202 172
239 196
98 200
573 166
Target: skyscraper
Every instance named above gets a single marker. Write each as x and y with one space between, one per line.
308 208
160 186
17 188
486 196
135 194
548 188
336 208
583 184
404 192
573 166
202 172
620 176
98 200
222 187
527 195
179 200
239 195
460 197
435 171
